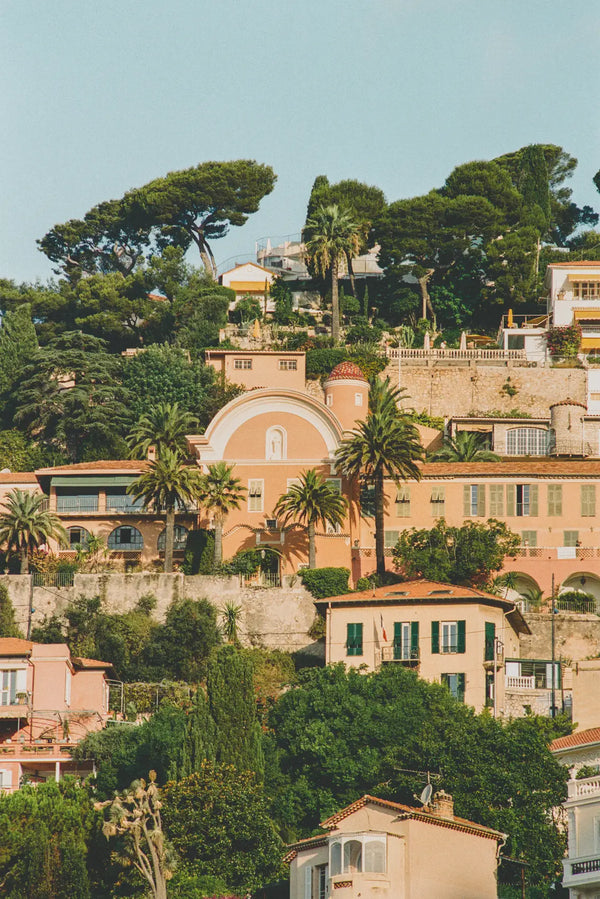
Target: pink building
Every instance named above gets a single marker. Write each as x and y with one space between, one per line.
49 700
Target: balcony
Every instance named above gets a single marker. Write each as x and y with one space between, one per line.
397 657
586 787
19 708
76 505
585 871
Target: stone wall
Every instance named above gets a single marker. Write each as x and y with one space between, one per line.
577 636
446 390
275 617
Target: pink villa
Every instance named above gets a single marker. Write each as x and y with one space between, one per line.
49 701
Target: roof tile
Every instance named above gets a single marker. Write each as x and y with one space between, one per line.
581 738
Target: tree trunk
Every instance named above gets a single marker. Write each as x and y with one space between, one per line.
24 560
351 275
218 540
423 282
335 305
312 552
169 540
380 524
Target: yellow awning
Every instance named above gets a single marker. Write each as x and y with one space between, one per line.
594 276
586 315
248 286
590 343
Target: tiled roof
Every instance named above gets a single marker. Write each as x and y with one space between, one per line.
89 663
18 477
419 814
582 738
568 402
417 589
124 465
547 468
582 264
12 646
347 371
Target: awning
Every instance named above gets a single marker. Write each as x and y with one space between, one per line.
579 276
590 343
591 315
115 480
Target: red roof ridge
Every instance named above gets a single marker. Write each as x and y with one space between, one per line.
579 738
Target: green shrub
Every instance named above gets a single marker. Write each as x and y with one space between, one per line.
321 362
323 582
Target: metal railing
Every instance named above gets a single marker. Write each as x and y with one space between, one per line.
260 579
53 579
525 322
70 504
587 867
464 355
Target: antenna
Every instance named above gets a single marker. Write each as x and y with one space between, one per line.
425 797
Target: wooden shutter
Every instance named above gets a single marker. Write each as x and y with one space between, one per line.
461 636
403 502
490 639
397 639
354 639
481 500
467 500
533 500
588 500
496 500
308 882
510 500
414 639
435 636
554 500
461 682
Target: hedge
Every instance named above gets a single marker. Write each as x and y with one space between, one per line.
322 582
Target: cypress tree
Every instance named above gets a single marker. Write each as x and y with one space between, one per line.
18 344
200 739
366 302
8 623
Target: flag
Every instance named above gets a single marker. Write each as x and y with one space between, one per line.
383 628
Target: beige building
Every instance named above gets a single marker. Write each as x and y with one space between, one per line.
260 368
376 849
457 636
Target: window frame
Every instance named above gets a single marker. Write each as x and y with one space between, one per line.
134 545
256 495
242 364
365 840
354 643
288 364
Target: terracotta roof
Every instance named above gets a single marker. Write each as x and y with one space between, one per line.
557 468
89 663
418 814
416 589
124 465
568 402
582 738
583 264
346 371
12 646
18 477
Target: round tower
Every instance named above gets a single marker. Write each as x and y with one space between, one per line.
347 394
567 428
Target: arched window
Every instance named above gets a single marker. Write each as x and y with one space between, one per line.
335 861
125 537
78 537
352 856
356 853
179 542
276 444
527 442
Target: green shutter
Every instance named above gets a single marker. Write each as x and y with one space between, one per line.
496 500
510 500
554 500
354 639
467 500
460 687
461 638
414 639
481 500
397 639
588 500
533 500
490 639
435 636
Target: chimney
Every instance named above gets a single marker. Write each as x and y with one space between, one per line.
151 454
443 805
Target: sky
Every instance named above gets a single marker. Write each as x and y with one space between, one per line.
98 98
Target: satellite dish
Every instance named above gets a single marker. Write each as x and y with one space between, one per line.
425 796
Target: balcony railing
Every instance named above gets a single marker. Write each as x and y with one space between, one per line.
519 683
558 552
408 659
587 786
587 867
460 355
67 505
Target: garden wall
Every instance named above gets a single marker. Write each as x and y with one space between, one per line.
274 617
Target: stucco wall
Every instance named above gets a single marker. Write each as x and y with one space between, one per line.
448 390
577 636
271 617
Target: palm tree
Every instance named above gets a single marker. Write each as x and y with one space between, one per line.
164 426
384 445
26 524
331 237
312 500
220 493
166 485
464 447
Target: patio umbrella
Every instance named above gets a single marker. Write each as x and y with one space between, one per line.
463 340
426 341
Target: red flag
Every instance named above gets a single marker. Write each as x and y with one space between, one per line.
383 628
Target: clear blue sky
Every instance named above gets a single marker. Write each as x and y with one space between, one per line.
102 97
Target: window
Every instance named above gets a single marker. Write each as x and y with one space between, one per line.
474 500
329 400
358 853
448 636
358 399
403 502
496 500
555 500
406 640
438 501
527 442
390 538
336 484
8 687
78 537
117 500
288 365
321 872
354 639
521 500
586 290
588 500
367 501
179 541
539 670
255 495
125 538
570 538
528 538
456 685
244 364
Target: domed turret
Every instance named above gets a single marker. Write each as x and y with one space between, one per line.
347 394
566 424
